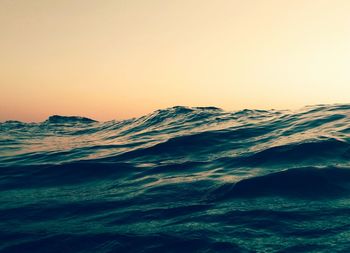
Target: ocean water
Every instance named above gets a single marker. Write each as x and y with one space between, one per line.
178 180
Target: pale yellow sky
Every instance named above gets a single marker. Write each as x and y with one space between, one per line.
120 59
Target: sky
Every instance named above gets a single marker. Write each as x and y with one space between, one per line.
116 59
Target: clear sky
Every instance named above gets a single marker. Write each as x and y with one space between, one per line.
115 59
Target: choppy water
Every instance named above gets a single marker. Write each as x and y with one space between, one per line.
178 180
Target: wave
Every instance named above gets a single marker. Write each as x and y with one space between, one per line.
309 182
192 179
68 119
308 152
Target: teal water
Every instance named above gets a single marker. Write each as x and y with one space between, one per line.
178 180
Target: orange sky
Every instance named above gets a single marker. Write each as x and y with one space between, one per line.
116 59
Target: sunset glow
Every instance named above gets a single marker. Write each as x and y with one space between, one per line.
121 59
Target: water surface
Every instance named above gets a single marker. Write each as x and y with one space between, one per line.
178 180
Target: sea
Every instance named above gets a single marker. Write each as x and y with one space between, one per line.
181 179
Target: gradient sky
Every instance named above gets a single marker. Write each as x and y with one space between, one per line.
119 59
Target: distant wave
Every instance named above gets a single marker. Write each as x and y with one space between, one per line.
68 119
189 179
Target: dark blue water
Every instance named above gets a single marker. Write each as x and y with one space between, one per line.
178 180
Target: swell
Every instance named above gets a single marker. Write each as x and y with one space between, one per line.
34 176
320 151
178 131
308 182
